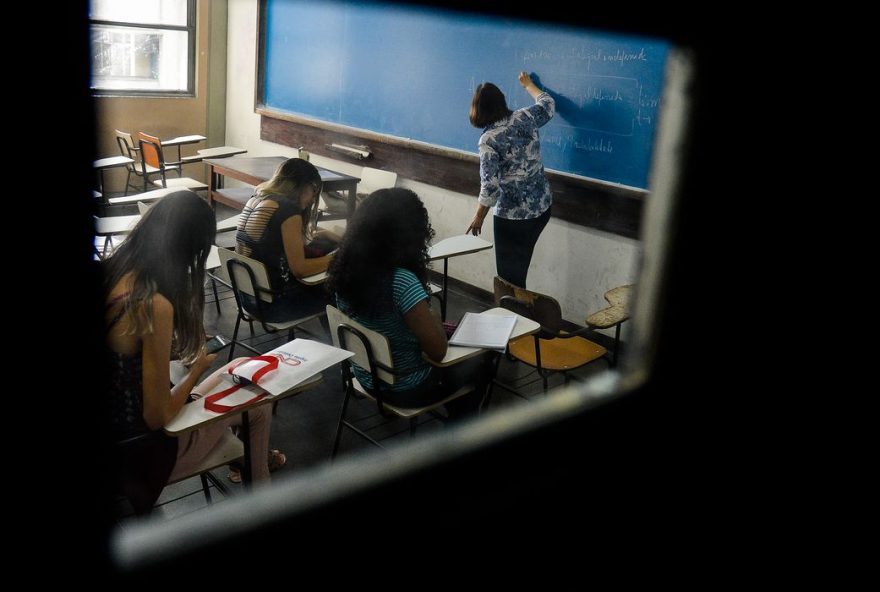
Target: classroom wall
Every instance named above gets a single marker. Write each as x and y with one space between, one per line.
575 264
169 117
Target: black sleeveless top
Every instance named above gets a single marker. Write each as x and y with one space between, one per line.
144 457
268 246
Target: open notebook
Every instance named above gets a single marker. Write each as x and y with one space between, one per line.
488 331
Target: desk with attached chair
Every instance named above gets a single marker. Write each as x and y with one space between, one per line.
454 246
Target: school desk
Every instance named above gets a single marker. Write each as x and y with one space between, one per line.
111 226
193 416
181 140
110 162
255 170
146 197
453 247
614 315
455 354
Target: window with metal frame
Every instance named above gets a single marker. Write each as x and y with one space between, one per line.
143 47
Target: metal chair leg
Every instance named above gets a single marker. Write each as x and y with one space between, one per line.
206 488
216 297
234 337
340 425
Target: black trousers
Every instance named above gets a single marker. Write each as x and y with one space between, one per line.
514 244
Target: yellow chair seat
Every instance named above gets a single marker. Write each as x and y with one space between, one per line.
557 354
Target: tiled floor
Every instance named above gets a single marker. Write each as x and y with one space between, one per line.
304 425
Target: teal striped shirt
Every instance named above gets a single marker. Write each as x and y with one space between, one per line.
406 292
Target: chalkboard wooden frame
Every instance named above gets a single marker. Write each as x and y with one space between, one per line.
603 206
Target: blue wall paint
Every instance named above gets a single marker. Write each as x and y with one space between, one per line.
411 73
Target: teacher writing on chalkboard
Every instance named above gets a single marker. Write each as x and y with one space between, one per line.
512 175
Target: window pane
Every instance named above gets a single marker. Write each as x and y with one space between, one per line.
158 12
139 59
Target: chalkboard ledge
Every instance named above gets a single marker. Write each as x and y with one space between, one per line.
609 207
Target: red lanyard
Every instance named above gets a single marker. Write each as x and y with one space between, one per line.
211 400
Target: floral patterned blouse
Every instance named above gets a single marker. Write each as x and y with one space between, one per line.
511 172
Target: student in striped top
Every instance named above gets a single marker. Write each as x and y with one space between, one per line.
380 277
276 228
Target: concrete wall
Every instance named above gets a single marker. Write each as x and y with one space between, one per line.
576 265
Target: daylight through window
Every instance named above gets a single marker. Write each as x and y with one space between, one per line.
143 46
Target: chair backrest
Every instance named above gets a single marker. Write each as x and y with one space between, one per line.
151 150
126 147
534 305
379 347
373 179
246 275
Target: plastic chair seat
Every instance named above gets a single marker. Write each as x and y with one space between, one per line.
558 354
411 412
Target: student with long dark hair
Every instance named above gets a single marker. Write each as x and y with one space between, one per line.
380 278
154 286
277 228
512 175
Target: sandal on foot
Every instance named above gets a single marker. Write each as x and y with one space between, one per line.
276 460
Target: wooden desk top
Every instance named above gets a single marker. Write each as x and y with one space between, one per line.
261 168
618 312
194 415
457 245
456 354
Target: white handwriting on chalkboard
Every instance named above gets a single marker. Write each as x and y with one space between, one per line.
598 95
621 56
584 144
594 145
541 54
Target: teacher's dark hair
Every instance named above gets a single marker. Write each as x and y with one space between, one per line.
389 229
166 254
488 105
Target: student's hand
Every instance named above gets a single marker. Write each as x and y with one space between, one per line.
525 79
202 362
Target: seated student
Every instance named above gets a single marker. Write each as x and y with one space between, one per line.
276 228
379 277
154 301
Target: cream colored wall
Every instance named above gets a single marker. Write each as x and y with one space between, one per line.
165 117
577 265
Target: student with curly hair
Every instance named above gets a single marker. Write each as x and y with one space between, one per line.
379 277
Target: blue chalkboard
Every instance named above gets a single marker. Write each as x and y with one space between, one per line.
411 72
